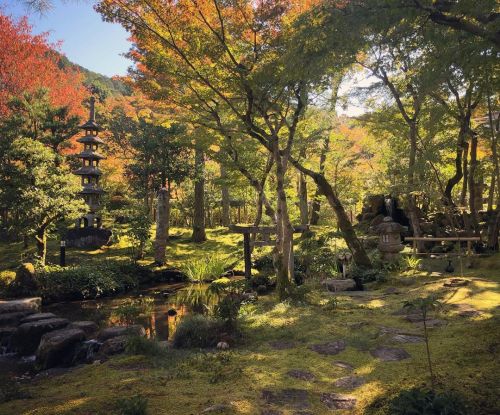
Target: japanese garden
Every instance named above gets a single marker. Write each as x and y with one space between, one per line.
249 207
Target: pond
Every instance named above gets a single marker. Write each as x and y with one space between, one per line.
164 310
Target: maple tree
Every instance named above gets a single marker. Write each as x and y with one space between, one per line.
28 62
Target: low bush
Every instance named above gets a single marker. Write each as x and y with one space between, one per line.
142 346
363 275
90 281
264 262
197 331
135 405
206 269
428 402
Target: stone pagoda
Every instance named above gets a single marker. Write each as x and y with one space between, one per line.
89 171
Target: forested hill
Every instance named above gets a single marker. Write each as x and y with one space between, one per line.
102 85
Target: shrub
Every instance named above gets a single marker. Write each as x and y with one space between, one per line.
228 309
207 268
143 346
196 331
423 401
135 405
363 275
264 262
90 281
412 263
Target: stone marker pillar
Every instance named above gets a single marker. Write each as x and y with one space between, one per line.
162 213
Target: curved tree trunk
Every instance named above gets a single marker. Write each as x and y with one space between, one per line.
41 244
226 219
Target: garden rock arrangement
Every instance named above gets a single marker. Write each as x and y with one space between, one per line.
55 341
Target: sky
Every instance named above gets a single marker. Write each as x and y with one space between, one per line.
86 39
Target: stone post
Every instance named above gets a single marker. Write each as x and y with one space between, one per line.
161 238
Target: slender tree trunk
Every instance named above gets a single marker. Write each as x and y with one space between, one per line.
41 244
491 192
284 244
302 192
473 186
162 213
465 169
226 220
199 234
455 179
316 204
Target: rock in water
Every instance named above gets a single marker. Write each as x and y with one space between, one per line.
37 317
89 327
117 331
58 347
114 345
28 335
27 305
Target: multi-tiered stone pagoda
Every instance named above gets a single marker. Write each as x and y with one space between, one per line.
88 232
89 172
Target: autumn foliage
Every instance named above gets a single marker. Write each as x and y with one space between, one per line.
28 62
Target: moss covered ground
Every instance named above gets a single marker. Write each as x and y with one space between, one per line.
465 354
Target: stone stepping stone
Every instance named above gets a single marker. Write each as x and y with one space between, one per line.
118 331
28 335
338 401
282 345
432 323
37 316
350 382
57 348
12 319
392 290
301 374
456 282
390 354
466 310
30 305
407 338
89 327
343 365
271 412
329 348
292 398
216 409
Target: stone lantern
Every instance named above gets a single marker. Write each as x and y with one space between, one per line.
389 243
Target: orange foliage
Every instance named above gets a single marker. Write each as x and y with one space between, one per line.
28 62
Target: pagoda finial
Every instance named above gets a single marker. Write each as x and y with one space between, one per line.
92 109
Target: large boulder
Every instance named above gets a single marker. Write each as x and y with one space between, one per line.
58 347
12 319
333 284
117 331
113 345
89 327
27 305
37 317
28 335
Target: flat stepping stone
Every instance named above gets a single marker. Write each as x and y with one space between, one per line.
89 327
329 348
390 354
37 316
350 382
407 338
271 412
30 305
282 345
432 323
301 374
392 290
466 310
28 335
216 409
292 398
456 282
343 365
338 401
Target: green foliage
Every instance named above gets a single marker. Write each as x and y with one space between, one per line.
219 366
196 331
412 263
264 262
206 269
131 310
332 304
426 402
139 231
365 275
227 310
139 345
90 281
135 405
423 305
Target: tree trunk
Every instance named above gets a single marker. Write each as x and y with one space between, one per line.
455 179
284 244
353 243
41 245
316 204
473 185
226 220
162 218
302 193
465 169
199 234
491 193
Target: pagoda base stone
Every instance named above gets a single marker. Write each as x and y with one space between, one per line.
88 237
